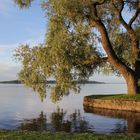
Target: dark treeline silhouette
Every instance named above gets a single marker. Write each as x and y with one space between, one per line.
51 82
58 122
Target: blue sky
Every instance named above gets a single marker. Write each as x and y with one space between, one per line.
18 27
26 26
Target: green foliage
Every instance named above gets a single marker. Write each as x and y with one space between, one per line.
71 51
61 136
116 97
33 66
23 3
67 56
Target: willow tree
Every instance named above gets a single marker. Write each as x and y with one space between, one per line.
83 37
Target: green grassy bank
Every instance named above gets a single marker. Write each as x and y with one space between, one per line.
118 96
61 136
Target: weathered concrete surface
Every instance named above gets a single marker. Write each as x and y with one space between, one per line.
116 104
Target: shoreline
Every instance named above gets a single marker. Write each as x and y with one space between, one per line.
113 102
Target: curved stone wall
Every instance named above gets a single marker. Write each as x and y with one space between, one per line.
116 104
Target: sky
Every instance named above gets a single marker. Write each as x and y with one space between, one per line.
18 27
26 26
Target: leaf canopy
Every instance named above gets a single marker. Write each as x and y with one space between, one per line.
73 49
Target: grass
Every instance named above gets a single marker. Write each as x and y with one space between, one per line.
115 97
61 136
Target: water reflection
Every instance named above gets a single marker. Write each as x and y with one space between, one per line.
57 121
21 109
132 119
36 124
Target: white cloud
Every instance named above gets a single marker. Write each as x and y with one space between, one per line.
8 68
8 49
8 72
5 48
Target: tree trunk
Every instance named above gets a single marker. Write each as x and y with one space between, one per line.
132 85
131 76
127 73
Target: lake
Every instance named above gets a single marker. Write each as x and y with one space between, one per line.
21 109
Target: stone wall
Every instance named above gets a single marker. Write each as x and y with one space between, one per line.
116 104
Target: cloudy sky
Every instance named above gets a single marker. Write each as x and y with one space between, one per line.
20 27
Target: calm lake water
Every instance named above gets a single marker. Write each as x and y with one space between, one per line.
21 109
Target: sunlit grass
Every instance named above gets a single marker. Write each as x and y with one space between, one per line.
118 96
61 136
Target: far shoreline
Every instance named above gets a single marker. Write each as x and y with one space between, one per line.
52 82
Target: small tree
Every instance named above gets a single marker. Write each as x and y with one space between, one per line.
83 37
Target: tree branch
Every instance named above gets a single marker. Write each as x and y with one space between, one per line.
102 60
118 12
129 29
94 8
98 61
100 3
134 17
112 58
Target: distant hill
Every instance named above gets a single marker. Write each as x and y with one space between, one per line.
11 82
50 82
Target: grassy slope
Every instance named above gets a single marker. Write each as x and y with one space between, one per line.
60 136
119 96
